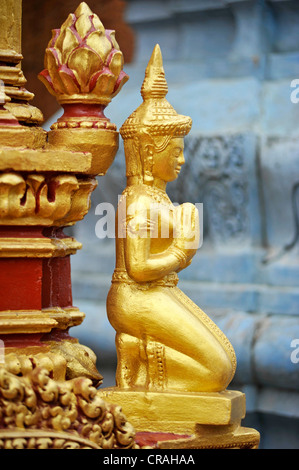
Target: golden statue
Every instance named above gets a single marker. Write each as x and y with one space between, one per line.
164 341
174 364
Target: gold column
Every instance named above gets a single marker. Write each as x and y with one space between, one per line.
16 97
10 41
48 394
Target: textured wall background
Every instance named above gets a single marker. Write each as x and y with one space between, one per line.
229 65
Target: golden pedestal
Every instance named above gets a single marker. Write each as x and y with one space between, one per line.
176 420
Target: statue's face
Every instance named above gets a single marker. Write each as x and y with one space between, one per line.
167 163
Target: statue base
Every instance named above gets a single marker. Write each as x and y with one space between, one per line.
178 420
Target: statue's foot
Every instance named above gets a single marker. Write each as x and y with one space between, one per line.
146 364
141 363
131 370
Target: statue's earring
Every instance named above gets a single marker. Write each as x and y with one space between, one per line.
148 165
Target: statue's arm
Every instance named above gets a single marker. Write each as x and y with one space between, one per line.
143 266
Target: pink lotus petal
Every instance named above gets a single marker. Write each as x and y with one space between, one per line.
122 79
69 79
95 76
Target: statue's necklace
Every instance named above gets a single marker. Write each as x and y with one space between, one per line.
159 195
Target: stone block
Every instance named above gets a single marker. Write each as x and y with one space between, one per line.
240 329
272 353
279 115
279 163
220 172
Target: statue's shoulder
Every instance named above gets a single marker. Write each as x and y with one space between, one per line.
138 195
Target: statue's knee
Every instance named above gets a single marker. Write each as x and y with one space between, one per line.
221 372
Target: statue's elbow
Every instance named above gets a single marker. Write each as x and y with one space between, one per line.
137 272
142 272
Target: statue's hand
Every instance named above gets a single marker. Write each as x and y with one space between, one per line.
186 236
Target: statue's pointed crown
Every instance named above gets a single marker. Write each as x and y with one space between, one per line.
154 83
155 115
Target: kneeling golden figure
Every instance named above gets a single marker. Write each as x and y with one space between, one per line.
164 341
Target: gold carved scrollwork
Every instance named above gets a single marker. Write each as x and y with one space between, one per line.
64 360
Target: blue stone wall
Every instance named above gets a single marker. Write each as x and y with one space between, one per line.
229 65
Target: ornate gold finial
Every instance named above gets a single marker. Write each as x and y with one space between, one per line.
155 115
83 70
83 61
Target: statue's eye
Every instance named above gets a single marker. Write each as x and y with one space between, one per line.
177 152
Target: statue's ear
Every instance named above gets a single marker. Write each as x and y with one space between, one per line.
149 150
147 146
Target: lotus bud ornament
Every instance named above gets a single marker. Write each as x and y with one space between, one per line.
83 62
84 71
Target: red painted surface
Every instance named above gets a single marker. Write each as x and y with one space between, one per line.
54 232
57 335
81 110
11 121
34 339
152 438
21 231
57 287
20 284
34 283
21 340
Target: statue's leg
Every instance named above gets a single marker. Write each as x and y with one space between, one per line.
140 363
131 364
203 317
159 319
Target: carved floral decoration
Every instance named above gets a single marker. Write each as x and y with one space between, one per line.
37 412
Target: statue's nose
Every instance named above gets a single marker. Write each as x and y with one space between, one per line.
181 159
